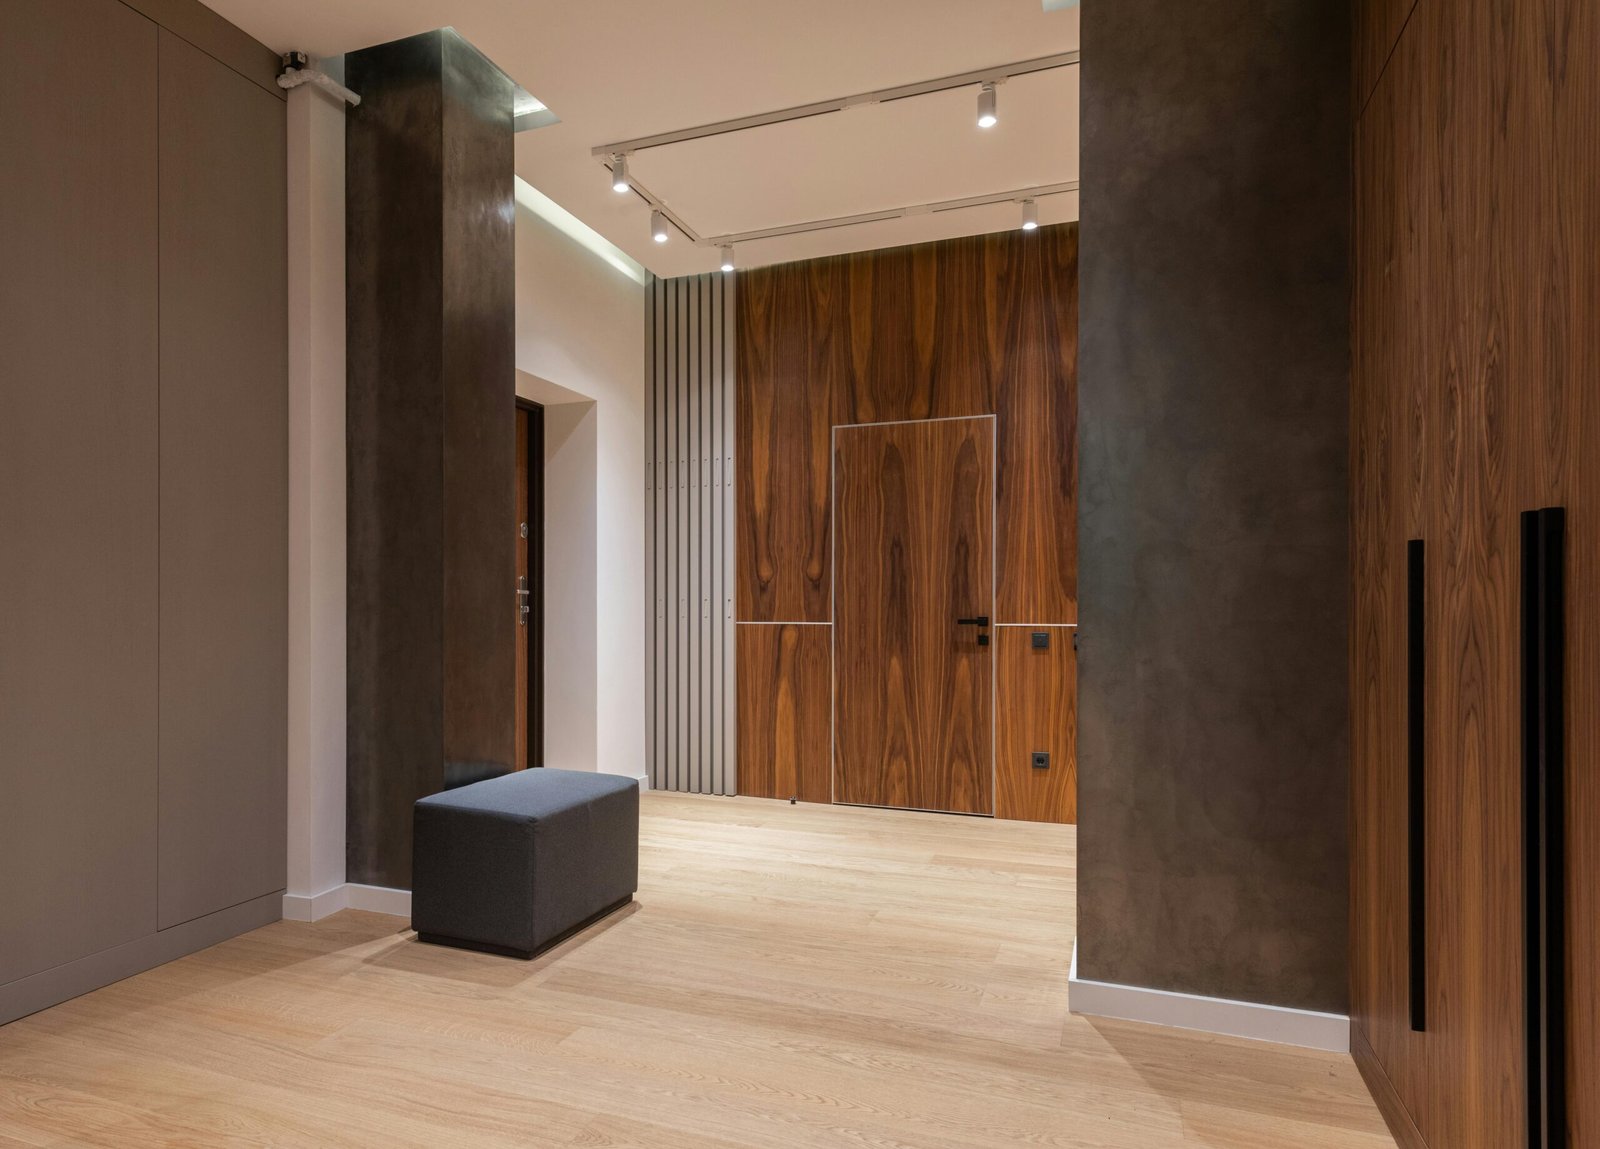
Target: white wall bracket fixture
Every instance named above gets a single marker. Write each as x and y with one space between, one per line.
297 70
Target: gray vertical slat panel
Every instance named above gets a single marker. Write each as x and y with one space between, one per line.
653 558
718 616
669 377
714 591
701 749
649 528
690 540
653 538
730 645
709 551
692 509
718 613
677 514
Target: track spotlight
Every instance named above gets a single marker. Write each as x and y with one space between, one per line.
619 174
727 257
1030 215
987 117
658 226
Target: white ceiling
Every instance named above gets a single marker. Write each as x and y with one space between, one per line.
620 69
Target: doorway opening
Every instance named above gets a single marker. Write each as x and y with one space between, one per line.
529 529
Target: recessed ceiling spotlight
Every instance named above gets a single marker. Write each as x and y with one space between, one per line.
987 117
1030 215
727 257
619 174
658 226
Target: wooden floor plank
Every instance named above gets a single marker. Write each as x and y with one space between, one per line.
788 976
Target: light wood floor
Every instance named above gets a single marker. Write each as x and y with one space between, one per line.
789 976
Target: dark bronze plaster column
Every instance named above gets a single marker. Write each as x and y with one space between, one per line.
430 434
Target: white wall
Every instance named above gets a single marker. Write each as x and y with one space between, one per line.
316 498
581 351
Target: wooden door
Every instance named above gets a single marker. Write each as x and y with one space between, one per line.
914 554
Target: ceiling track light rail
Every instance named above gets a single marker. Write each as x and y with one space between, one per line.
1024 196
982 77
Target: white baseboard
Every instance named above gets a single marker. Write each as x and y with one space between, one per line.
1302 1027
380 900
349 896
315 907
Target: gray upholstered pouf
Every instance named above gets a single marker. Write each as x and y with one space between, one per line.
513 864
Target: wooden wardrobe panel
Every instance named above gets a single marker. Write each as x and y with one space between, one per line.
1569 91
784 719
1032 310
1036 699
79 445
1389 467
912 682
1552 358
791 331
1474 802
224 487
1375 27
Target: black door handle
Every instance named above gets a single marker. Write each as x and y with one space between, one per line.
981 620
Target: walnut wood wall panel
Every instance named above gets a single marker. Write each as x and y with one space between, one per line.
976 326
791 332
1375 29
913 685
1032 309
916 332
784 720
1039 713
1476 378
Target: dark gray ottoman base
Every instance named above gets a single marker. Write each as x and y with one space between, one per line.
516 864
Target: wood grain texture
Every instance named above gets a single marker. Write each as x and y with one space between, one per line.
1477 155
917 333
1032 309
1393 480
911 992
1375 27
975 326
1549 170
912 688
1036 700
784 716
791 332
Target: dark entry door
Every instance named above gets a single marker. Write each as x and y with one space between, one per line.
530 586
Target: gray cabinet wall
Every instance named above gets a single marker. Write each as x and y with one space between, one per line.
143 496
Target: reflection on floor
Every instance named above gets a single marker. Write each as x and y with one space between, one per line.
788 976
